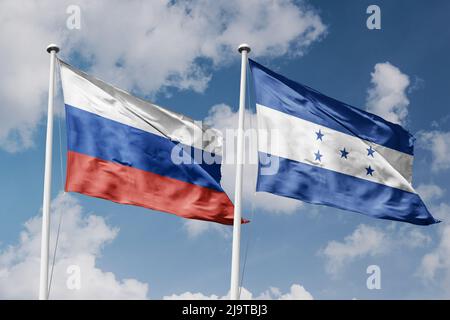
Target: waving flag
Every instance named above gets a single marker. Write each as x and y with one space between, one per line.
327 152
130 151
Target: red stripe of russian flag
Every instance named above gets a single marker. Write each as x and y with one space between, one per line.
127 185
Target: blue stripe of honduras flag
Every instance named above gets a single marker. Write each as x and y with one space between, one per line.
130 151
322 151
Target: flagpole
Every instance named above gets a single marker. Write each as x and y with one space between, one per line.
45 238
244 49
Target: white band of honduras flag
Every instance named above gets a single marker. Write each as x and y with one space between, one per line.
333 154
120 148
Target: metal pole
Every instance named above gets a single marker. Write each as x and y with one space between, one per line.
43 280
244 49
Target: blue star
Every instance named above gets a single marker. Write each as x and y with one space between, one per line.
344 153
318 155
370 151
319 135
369 171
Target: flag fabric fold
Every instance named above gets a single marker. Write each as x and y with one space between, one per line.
130 151
330 153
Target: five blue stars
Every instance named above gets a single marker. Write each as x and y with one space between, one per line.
319 135
369 171
370 151
344 153
318 156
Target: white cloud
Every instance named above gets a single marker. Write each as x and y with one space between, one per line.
413 238
438 143
194 228
245 295
387 96
81 241
296 292
191 296
140 45
365 240
368 241
441 211
429 192
25 31
435 265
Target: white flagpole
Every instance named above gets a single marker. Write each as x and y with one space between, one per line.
43 280
244 49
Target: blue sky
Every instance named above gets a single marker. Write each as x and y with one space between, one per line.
300 245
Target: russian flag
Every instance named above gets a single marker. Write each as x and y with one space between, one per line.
130 151
322 151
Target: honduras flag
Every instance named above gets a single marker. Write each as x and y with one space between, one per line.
322 151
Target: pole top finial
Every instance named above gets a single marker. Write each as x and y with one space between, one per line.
244 47
52 47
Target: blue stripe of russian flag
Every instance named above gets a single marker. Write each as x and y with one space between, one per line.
109 140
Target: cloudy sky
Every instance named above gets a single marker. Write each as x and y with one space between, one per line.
182 55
